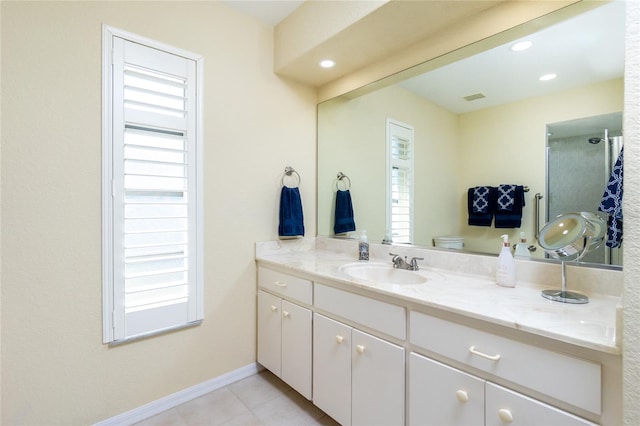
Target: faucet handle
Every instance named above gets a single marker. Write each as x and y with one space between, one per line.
414 263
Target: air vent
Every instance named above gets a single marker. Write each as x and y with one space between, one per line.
475 96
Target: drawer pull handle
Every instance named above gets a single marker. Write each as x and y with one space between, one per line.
285 314
360 349
274 308
473 350
462 396
339 339
505 415
280 284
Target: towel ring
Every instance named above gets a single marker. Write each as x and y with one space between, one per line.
341 176
290 171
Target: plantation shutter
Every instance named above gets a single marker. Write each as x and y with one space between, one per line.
155 204
401 182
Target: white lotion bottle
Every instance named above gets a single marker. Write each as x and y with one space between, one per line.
506 272
522 251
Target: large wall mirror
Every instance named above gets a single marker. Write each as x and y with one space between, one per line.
485 120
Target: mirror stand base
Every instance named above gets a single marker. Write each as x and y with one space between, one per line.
565 296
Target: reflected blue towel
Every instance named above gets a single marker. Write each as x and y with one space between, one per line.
291 219
506 198
509 205
612 203
481 199
480 218
344 221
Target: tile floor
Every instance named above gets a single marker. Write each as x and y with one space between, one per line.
261 399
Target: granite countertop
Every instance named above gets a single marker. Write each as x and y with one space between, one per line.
593 325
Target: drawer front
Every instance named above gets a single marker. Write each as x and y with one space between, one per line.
384 317
286 285
572 380
506 406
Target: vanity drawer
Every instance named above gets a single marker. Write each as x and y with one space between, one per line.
384 317
572 380
286 285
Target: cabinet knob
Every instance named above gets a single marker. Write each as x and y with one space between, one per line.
285 314
360 349
280 284
339 339
274 308
505 415
462 396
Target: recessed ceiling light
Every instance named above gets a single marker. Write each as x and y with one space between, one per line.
327 63
521 45
547 77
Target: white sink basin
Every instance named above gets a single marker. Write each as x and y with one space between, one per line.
382 273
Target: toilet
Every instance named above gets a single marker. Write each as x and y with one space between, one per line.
449 242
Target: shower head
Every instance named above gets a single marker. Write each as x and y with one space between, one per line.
595 141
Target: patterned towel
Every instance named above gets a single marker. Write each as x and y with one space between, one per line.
506 197
481 199
612 203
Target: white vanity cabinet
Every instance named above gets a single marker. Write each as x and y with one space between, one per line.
357 378
284 329
442 395
535 368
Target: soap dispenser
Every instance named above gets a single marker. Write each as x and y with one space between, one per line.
506 271
363 246
522 251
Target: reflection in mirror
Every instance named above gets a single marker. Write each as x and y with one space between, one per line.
459 144
580 157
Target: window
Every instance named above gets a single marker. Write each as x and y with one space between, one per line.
152 187
400 181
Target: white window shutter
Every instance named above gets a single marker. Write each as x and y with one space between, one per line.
156 200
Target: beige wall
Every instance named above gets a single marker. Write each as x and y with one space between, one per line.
352 139
506 144
55 370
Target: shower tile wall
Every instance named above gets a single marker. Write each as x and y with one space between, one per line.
577 176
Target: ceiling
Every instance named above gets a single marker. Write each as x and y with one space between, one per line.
269 11
585 49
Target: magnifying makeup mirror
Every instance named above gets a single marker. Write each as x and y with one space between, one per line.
569 237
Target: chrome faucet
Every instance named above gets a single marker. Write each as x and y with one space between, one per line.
400 263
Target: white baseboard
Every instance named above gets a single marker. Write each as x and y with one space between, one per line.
158 406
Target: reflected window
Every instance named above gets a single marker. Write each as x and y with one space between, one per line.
400 181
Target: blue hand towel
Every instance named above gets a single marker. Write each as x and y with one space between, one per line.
480 218
612 203
509 205
344 221
291 219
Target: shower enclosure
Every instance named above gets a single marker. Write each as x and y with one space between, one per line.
580 156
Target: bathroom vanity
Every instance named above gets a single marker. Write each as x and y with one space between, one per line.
448 347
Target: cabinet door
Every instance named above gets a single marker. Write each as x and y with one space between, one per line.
441 395
332 368
269 333
377 381
296 347
505 406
